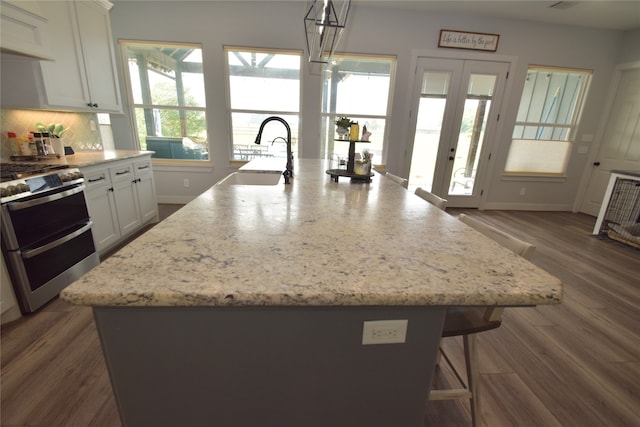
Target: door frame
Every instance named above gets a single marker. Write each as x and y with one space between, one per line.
492 146
588 170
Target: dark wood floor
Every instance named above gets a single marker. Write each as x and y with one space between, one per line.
575 364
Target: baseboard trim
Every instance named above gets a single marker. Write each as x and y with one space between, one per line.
175 200
527 207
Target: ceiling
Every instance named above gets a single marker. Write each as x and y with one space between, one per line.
602 14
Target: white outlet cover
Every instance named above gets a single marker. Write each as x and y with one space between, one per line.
384 331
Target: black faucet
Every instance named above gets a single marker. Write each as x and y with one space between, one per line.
289 170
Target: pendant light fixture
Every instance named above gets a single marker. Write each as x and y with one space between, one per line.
323 24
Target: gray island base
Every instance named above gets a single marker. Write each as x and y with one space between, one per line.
272 366
247 306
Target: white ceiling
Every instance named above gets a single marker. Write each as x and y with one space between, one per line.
603 14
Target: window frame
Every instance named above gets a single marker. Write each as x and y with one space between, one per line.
295 136
571 127
122 44
330 117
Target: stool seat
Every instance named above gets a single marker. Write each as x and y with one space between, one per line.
467 320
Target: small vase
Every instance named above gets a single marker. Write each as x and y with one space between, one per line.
58 146
342 133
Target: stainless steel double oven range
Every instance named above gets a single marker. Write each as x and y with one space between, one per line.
46 230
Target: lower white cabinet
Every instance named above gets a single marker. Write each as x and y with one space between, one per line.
121 199
102 208
9 308
146 191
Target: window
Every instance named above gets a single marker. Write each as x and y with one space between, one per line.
547 119
166 84
357 87
263 83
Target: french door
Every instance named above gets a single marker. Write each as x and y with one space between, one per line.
454 122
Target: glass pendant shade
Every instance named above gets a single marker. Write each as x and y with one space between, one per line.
324 22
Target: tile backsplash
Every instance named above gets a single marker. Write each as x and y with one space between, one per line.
83 133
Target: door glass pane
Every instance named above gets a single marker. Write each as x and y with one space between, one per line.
433 98
474 120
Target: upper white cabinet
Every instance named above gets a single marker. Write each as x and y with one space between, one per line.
83 75
24 29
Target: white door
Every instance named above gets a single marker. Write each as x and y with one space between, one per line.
454 120
620 146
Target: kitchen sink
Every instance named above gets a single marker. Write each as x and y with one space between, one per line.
252 178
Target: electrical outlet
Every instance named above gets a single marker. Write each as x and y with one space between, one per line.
523 191
186 182
384 331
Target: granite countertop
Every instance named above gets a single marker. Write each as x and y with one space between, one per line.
90 158
313 243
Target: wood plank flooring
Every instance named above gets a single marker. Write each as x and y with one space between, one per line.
575 364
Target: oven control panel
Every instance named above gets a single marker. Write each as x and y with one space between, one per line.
32 184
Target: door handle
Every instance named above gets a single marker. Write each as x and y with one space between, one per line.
596 163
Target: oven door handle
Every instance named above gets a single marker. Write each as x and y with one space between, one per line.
37 251
16 206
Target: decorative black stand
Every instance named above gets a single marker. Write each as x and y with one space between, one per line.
349 172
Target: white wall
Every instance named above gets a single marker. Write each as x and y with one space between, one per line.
402 33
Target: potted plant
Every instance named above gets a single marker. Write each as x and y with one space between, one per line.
342 127
55 132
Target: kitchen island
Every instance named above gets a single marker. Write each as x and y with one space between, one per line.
248 305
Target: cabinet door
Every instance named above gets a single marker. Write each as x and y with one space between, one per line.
99 57
102 209
65 80
127 206
146 190
123 181
147 198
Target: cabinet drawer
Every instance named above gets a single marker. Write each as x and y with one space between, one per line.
96 179
142 167
121 173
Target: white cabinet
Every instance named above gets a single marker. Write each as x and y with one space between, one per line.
146 191
124 191
24 29
102 207
121 198
83 75
9 308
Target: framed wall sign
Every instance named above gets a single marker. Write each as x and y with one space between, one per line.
467 40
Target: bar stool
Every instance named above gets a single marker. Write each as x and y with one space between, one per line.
397 179
437 201
469 321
